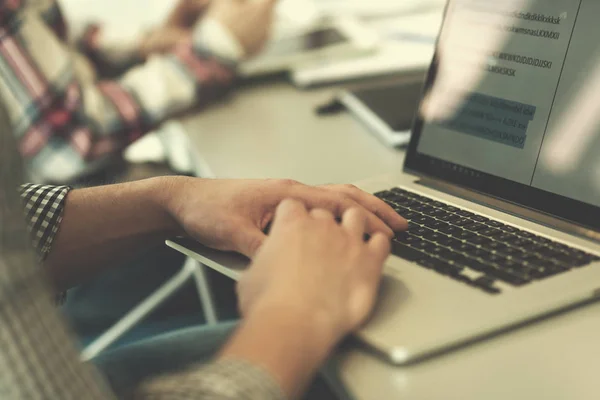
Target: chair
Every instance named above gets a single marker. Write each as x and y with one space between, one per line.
170 144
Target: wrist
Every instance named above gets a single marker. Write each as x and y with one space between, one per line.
287 341
165 194
317 330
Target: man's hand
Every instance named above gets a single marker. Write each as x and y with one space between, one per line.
186 13
313 281
175 30
163 39
311 262
233 214
249 21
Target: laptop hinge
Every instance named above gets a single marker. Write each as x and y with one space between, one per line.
511 208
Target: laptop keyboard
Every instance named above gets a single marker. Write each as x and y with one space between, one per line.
473 249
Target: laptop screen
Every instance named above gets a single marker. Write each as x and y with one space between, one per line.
512 104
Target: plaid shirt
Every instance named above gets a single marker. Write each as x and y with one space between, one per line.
67 122
38 355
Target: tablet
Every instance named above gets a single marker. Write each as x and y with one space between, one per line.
386 110
337 39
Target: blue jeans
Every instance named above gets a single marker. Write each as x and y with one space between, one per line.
127 366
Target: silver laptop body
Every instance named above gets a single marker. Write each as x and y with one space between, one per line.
508 130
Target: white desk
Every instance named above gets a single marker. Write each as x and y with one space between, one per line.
271 131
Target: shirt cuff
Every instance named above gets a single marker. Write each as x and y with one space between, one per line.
214 37
43 206
223 380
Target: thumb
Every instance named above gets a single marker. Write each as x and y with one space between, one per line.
247 239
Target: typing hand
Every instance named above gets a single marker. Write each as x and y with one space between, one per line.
233 214
312 265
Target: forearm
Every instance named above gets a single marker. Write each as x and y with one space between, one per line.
290 345
104 224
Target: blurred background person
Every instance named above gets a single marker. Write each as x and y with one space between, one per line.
70 123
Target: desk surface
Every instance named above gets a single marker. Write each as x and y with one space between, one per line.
271 131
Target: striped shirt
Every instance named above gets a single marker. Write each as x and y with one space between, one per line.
66 121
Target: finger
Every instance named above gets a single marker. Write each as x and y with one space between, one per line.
288 210
380 247
319 213
378 207
338 203
247 239
355 221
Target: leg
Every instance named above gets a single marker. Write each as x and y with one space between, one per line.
127 366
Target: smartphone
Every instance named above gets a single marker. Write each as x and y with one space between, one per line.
386 110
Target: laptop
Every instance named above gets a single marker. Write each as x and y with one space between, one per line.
501 183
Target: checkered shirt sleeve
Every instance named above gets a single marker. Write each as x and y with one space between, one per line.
43 207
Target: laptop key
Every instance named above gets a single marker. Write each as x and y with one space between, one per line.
462 222
508 277
512 251
438 204
399 209
462 234
423 220
464 247
478 252
405 237
494 224
478 266
421 231
479 218
486 283
439 213
496 246
409 214
450 218
475 227
399 191
383 194
451 242
510 229
435 224
548 271
490 232
506 237
446 268
444 240
494 258
423 245
479 240
423 208
464 213
527 235
404 251
435 236
450 229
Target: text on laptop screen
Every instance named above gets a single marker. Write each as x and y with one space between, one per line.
517 93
